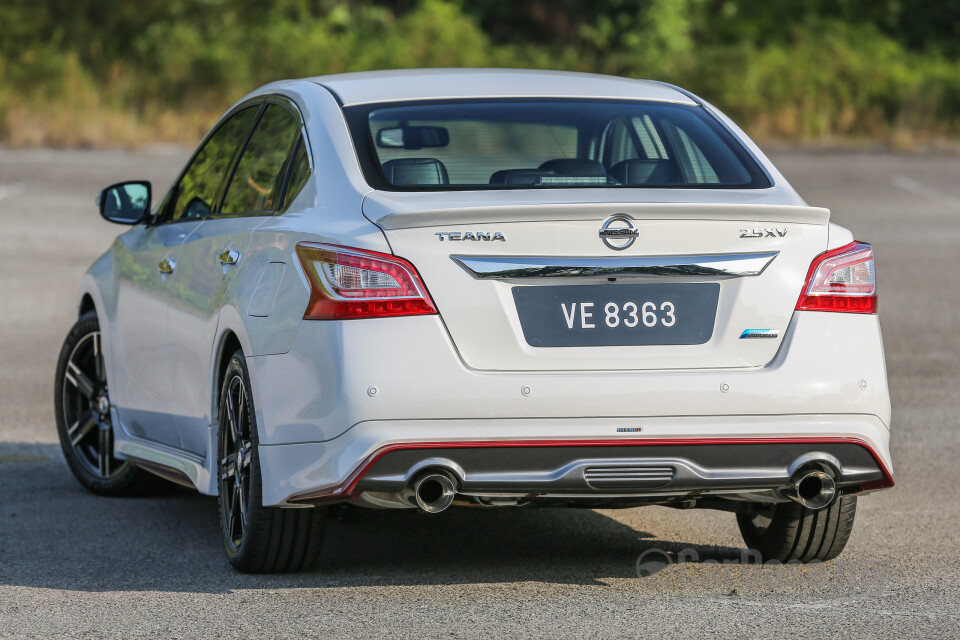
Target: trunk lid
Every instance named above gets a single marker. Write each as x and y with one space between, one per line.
751 248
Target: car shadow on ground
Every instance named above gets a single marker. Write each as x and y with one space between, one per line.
54 534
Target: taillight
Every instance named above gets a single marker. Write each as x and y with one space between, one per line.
353 283
843 279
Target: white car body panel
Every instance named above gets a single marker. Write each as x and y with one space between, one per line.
330 394
794 382
482 318
437 84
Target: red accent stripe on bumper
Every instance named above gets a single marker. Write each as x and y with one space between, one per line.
347 490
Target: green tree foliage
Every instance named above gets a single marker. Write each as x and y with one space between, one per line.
95 72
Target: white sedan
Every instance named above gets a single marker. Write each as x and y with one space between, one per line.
424 289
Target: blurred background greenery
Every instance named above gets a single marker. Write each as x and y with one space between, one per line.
111 72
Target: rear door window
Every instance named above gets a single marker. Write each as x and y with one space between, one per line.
257 183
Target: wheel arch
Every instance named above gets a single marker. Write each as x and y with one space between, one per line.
231 337
229 344
86 305
91 298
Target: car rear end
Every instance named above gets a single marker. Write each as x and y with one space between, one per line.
586 303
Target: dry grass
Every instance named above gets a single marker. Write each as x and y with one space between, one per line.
89 125
74 111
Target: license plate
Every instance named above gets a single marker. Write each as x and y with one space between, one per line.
617 314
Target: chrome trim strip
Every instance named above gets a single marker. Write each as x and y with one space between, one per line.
517 267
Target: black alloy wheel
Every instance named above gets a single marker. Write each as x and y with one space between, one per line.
257 539
84 416
234 453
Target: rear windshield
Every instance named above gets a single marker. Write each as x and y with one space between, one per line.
537 144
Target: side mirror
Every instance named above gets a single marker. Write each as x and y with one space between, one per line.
413 137
125 202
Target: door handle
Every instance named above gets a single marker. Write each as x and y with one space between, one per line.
229 257
167 266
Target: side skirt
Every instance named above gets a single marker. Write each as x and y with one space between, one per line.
167 462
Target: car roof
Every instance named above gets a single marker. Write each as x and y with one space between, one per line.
366 87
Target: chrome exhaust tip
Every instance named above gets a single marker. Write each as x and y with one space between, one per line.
434 491
812 489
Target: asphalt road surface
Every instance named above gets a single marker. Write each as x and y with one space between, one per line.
72 564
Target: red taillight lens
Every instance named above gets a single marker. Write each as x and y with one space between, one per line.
352 283
843 279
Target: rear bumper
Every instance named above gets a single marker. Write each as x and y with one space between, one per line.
341 374
729 455
348 393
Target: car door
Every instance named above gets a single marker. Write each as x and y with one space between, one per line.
140 387
149 268
214 256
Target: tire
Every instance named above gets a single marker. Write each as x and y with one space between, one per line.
788 531
257 539
84 421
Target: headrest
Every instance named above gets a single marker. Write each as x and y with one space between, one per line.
646 171
405 172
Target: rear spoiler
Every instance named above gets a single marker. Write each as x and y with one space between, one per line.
392 210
